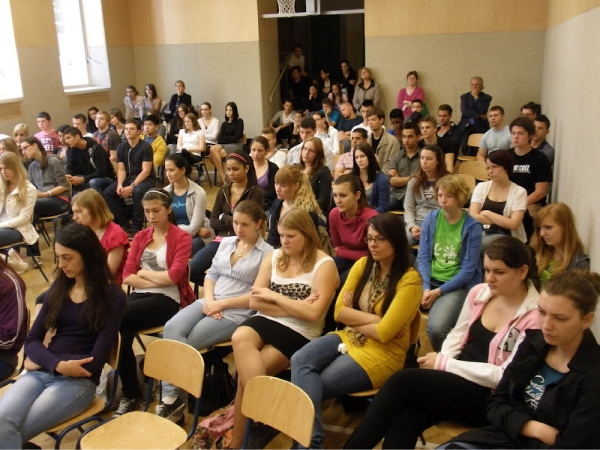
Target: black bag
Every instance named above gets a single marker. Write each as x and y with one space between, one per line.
218 389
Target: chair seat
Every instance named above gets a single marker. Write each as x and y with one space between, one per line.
451 428
136 430
155 330
368 393
96 407
467 158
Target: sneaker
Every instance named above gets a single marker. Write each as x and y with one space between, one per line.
202 177
38 260
127 405
16 262
173 412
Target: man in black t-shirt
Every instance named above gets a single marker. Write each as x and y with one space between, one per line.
134 177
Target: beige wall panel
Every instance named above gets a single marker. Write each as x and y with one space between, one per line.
570 99
409 17
33 23
445 64
562 10
161 22
116 22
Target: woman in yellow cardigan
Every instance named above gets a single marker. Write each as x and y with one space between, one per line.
377 304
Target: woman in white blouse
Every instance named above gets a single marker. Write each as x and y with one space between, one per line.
134 104
326 132
209 124
191 139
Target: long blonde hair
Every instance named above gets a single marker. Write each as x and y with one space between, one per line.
304 197
11 146
571 242
12 162
298 220
91 200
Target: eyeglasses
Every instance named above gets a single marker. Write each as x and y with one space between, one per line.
376 240
26 147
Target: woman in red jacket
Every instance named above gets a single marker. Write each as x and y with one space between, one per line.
157 268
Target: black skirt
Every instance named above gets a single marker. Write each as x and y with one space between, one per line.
283 338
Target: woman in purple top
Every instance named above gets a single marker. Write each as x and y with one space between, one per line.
409 93
265 169
85 309
13 319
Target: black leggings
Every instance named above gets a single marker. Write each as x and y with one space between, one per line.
413 400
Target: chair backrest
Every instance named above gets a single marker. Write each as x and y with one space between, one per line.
115 166
475 168
470 179
415 325
341 149
177 363
113 358
474 140
281 405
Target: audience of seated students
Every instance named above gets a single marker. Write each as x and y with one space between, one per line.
293 190
189 201
17 202
397 121
531 169
325 82
449 258
241 187
448 136
90 209
20 132
417 111
88 165
383 145
455 383
265 170
327 133
366 89
291 294
13 319
474 108
152 102
105 136
134 177
337 96
190 142
345 162
548 395
348 79
230 138
151 125
61 152
80 122
47 135
428 127
47 174
84 308
180 97
157 268
90 126
299 85
313 165
531 110
419 199
176 125
117 122
557 243
277 157
377 305
8 145
308 128
497 137
134 104
331 114
403 166
499 204
348 223
313 103
226 303
209 124
375 181
347 122
409 93
539 142
283 122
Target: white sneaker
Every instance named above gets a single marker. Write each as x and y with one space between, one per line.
38 259
16 262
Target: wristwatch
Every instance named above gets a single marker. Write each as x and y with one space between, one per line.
133 185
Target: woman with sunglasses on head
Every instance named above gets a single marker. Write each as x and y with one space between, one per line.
157 268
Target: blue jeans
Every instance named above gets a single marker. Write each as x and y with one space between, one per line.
395 204
322 372
343 266
39 401
191 326
443 315
202 261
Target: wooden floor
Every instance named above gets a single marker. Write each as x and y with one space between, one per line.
338 423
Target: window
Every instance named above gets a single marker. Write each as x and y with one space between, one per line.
81 44
10 75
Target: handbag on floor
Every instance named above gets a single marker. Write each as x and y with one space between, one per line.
218 389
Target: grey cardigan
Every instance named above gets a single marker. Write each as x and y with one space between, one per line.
50 177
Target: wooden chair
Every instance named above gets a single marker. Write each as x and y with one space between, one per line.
341 149
166 360
474 141
34 261
115 167
281 405
21 366
470 179
475 168
41 221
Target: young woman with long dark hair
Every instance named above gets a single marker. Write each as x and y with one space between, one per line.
230 138
312 163
376 183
